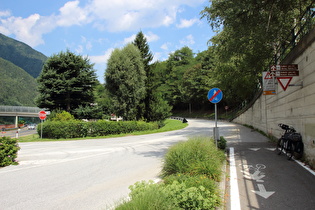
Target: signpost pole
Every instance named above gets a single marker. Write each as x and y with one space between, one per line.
41 129
216 130
42 117
214 96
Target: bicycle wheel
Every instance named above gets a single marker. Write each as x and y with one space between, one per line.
290 149
298 150
279 146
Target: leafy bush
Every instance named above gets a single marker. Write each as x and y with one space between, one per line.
196 156
191 197
222 143
190 172
8 151
147 195
78 128
59 115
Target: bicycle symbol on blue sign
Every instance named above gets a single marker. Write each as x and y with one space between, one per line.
215 95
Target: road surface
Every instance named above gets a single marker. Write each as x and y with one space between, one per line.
86 174
96 174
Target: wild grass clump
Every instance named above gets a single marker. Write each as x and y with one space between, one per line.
198 155
191 172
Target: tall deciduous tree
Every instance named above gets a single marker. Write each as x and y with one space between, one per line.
125 80
66 82
153 107
250 32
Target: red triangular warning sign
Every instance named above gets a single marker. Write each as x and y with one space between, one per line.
269 75
284 82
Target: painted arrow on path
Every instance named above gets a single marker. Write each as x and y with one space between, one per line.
262 191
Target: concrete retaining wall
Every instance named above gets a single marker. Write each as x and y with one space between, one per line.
295 106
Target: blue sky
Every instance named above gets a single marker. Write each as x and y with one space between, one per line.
94 28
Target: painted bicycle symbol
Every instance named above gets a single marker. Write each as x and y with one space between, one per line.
254 172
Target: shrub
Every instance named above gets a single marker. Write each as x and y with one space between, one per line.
148 196
222 143
197 156
8 151
79 129
191 197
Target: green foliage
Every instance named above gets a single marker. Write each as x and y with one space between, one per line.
66 82
222 143
59 115
21 55
79 129
196 156
148 196
17 87
249 33
8 151
152 107
191 197
125 80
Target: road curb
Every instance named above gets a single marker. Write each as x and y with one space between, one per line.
222 185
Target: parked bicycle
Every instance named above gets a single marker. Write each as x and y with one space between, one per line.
290 142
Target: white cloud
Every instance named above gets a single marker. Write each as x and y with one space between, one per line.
72 14
122 15
101 59
129 39
188 40
165 46
113 16
187 23
151 37
5 13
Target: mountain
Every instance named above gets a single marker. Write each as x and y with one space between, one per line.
21 55
17 87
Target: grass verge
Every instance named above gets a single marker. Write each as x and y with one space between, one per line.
191 173
170 125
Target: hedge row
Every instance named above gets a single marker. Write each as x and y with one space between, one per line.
8 151
78 129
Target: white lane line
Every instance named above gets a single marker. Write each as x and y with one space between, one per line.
234 193
306 168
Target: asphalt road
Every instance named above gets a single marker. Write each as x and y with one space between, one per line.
96 174
86 174
264 179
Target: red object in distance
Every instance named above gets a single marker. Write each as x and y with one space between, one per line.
42 115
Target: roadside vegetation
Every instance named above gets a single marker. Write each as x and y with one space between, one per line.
191 173
166 125
8 151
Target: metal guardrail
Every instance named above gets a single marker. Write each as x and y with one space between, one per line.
302 27
19 109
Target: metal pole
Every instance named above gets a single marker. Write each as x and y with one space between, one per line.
215 130
41 129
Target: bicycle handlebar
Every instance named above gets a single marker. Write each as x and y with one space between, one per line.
286 127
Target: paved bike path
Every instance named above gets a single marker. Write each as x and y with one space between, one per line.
264 179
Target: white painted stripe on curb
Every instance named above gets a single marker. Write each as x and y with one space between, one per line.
235 197
306 168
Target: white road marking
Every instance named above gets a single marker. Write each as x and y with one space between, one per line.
235 197
263 192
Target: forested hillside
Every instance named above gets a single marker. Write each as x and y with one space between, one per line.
17 87
21 55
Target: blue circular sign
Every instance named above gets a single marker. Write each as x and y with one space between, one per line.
215 95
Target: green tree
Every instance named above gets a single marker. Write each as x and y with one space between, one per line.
66 82
154 107
250 32
125 80
177 64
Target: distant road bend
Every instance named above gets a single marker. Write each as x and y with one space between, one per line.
87 174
